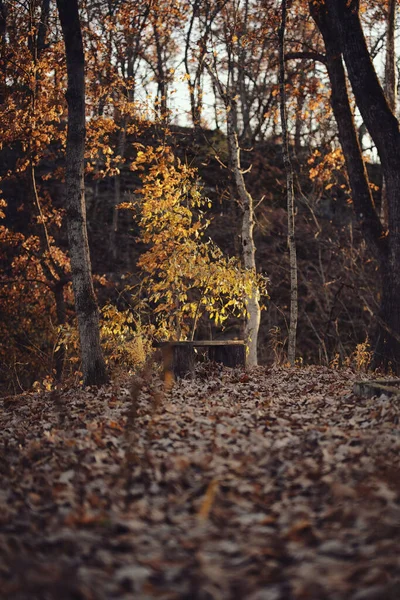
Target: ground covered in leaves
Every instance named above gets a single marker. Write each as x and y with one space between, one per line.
278 484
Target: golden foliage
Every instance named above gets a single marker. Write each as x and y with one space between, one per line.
185 273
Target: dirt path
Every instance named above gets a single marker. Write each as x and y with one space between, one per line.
277 485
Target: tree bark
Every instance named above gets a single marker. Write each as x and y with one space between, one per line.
290 193
370 98
365 212
43 27
117 190
252 302
59 353
301 98
3 51
390 85
93 365
390 61
384 130
248 247
161 106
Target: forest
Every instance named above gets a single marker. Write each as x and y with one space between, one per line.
199 299
201 215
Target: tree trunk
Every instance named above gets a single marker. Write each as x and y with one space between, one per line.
390 61
161 106
384 130
301 99
43 27
365 212
390 85
290 194
93 365
3 51
59 353
248 246
117 191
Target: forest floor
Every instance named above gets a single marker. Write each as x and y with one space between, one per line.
279 484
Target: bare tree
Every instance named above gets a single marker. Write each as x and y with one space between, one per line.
93 365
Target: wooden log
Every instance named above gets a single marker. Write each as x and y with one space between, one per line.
369 389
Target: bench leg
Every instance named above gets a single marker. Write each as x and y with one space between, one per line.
230 356
183 361
178 359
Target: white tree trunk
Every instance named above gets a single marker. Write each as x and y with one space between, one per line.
248 246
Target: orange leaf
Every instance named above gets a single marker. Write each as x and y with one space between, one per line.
208 500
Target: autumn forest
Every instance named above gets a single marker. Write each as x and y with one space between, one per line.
199 288
240 181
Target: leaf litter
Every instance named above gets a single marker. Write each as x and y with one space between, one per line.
277 484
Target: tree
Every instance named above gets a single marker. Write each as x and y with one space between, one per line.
389 82
202 17
365 211
165 19
246 203
93 365
31 110
185 275
339 22
290 193
390 60
236 63
3 48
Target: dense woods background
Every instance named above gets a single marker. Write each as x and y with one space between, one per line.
185 185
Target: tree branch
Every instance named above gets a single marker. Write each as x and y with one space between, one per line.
306 55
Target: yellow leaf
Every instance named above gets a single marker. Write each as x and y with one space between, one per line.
208 500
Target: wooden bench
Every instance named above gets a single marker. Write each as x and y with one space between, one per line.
179 357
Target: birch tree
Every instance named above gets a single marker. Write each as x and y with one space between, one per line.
246 203
248 246
238 61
